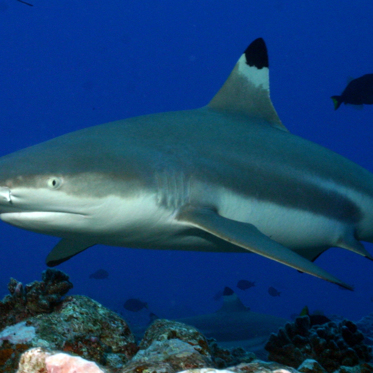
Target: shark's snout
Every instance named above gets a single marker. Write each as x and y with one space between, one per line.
225 177
5 195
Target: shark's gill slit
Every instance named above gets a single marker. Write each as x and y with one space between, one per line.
226 177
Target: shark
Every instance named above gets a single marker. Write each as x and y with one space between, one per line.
226 177
232 325
235 322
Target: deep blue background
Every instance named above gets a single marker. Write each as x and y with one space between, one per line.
67 64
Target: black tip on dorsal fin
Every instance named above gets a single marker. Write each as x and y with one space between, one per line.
246 91
231 302
256 54
227 291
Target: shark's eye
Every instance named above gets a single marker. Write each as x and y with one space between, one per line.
54 182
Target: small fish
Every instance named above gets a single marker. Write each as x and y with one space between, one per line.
273 292
316 318
100 274
134 305
358 92
245 284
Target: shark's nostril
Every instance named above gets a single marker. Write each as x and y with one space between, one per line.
5 194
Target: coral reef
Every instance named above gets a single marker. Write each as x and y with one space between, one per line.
331 345
365 325
170 346
223 357
162 329
172 355
206 370
33 360
47 334
164 354
18 333
64 363
40 360
36 298
80 326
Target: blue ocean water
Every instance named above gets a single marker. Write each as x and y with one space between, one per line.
71 64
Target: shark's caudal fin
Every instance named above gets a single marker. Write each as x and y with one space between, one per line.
250 238
246 90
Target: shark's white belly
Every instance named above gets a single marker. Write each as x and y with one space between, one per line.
293 228
144 222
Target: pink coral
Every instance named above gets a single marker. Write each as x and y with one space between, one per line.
63 363
33 360
18 333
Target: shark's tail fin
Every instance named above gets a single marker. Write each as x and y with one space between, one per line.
337 101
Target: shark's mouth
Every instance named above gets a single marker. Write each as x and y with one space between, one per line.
22 213
5 195
24 208
52 221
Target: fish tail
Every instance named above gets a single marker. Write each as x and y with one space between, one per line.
337 101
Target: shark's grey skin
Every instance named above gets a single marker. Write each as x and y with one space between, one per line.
225 177
233 324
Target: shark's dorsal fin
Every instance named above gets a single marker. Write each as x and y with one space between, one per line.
231 302
246 91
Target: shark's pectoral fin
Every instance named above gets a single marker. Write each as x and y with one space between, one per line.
349 242
65 250
250 238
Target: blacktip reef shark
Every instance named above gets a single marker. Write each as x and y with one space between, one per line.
234 321
225 177
233 324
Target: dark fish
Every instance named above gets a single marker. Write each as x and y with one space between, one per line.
273 292
245 284
316 318
358 92
134 305
100 274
